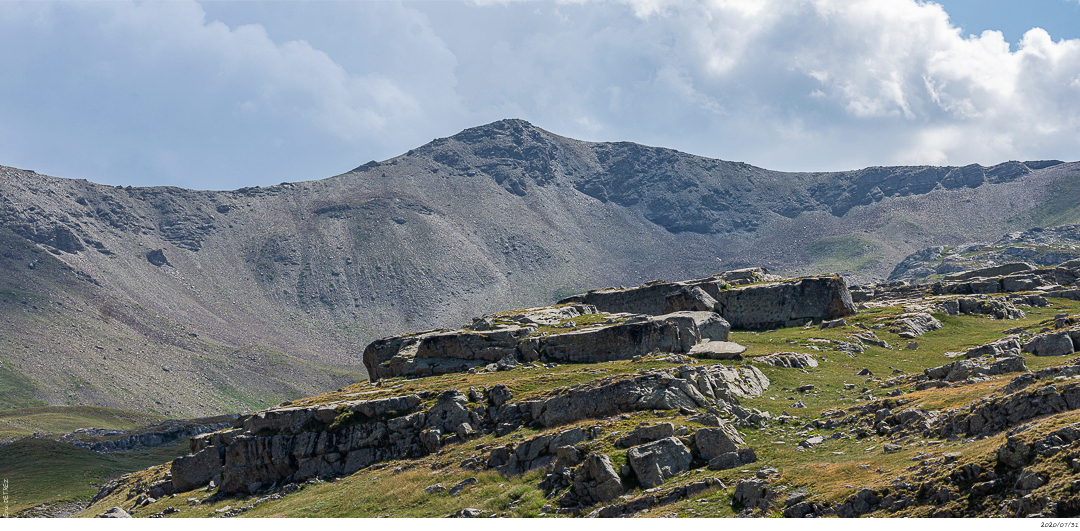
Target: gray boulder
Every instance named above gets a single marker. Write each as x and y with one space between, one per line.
676 332
115 512
646 434
916 324
193 471
755 307
1009 346
718 350
692 299
1050 344
449 412
988 272
381 351
749 275
595 480
975 367
712 442
790 360
996 307
724 461
656 462
753 494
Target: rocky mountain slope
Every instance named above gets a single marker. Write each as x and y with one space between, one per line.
200 302
1037 247
958 399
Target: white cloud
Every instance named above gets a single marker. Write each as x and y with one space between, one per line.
164 92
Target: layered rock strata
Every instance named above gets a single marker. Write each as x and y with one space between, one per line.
296 443
505 346
753 307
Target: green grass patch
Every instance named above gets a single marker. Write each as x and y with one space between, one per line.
16 389
1063 206
842 253
16 423
45 471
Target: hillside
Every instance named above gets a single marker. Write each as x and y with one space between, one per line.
927 401
184 302
1038 247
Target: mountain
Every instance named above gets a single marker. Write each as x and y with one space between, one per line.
187 302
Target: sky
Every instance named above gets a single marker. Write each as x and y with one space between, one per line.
222 95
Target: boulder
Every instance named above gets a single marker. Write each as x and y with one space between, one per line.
381 351
595 480
193 471
988 272
656 462
690 298
488 346
753 494
969 368
754 307
916 324
1050 344
499 395
646 434
728 460
996 307
718 350
449 412
791 360
712 442
115 512
789 303
749 275
676 332
470 512
1009 346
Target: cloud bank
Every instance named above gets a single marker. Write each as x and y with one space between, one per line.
229 95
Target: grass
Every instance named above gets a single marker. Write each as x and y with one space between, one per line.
1061 208
17 423
43 471
831 471
16 390
842 253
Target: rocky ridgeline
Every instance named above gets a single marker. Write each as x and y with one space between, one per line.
1039 247
1062 280
668 317
106 440
291 444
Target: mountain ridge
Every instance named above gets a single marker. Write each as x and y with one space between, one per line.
295 279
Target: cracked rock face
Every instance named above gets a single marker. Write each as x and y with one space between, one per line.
655 462
297 443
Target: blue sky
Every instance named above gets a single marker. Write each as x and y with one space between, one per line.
220 95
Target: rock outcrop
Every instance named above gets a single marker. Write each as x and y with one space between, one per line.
996 307
298 443
503 346
976 367
653 463
791 360
1059 343
753 307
